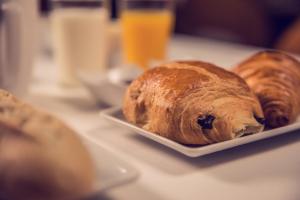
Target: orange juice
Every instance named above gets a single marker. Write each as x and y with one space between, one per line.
145 35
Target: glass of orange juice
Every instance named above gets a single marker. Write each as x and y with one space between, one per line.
146 29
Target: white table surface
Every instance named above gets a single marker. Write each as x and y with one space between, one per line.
268 169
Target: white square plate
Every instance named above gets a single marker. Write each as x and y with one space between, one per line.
111 171
115 115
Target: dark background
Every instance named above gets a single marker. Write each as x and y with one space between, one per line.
266 23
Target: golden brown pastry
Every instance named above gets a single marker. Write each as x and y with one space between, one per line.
193 102
40 157
275 78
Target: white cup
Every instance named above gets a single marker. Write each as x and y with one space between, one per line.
80 37
18 38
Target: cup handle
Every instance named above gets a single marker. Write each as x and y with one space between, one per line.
12 43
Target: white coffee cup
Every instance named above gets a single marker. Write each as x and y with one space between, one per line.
18 40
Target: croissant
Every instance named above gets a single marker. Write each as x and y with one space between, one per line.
275 78
193 103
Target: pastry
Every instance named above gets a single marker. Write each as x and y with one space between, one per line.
290 39
193 103
40 157
274 77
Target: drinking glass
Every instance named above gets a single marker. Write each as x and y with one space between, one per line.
146 29
81 35
18 42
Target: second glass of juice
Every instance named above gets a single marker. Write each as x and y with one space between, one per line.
146 29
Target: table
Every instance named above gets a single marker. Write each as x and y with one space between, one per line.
268 169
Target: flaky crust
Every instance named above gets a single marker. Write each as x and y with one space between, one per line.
275 78
40 157
170 99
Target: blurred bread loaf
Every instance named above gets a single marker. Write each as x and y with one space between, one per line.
40 157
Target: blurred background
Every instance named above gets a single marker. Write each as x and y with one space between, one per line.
264 23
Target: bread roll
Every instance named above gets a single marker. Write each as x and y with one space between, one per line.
275 78
40 157
193 102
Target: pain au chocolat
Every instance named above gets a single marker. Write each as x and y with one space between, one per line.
193 102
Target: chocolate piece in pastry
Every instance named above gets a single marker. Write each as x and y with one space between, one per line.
193 102
275 78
